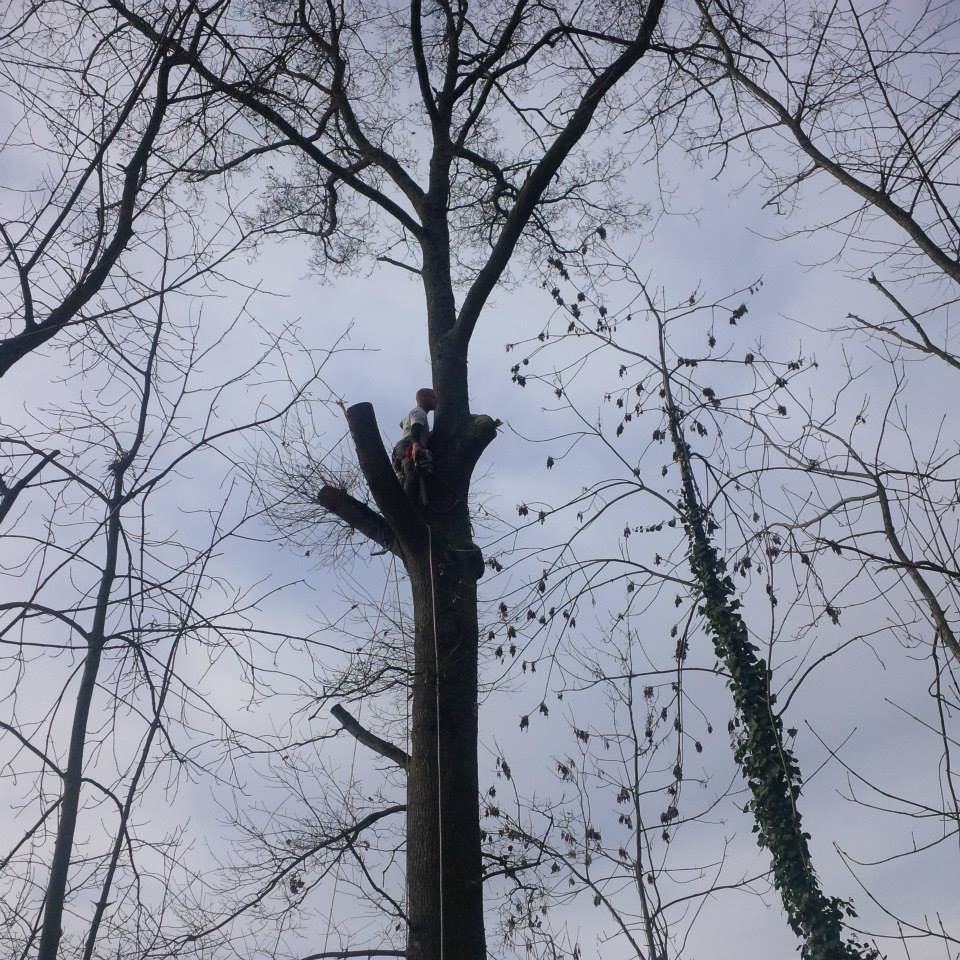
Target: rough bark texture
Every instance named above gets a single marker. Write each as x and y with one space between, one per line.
443 831
445 891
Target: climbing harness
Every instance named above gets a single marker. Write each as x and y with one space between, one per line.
411 471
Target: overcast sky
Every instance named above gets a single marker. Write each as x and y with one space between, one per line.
718 238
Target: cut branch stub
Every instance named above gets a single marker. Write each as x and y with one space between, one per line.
397 510
457 455
359 516
368 738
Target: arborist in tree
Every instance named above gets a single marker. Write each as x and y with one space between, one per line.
411 455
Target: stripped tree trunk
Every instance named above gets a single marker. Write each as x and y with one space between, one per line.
444 875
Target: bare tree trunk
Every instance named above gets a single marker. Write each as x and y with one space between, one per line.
444 869
52 929
445 894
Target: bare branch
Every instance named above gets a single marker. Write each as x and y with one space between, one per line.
368 739
542 174
358 516
9 494
356 953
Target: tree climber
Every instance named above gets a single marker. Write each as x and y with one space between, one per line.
411 456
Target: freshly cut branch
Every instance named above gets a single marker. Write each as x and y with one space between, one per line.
375 464
368 738
359 516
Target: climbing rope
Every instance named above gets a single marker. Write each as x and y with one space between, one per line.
410 670
436 689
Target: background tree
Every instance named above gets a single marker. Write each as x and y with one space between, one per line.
798 487
652 380
799 76
863 104
91 139
100 711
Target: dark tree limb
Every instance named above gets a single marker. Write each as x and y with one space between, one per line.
420 59
374 153
357 515
9 494
397 510
242 94
924 344
879 198
543 173
400 264
349 833
367 738
35 334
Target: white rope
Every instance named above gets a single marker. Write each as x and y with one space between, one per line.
436 687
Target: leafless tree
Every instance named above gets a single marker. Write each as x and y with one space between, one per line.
862 98
608 832
861 101
802 487
102 710
438 139
97 190
444 141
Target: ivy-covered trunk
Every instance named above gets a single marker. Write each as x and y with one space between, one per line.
769 767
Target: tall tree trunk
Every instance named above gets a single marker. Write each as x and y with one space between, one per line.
445 895
54 905
444 868
56 893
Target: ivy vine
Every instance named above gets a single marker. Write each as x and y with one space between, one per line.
768 765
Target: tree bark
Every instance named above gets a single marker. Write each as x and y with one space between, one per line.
444 893
51 930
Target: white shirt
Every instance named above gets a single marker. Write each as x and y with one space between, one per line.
416 415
